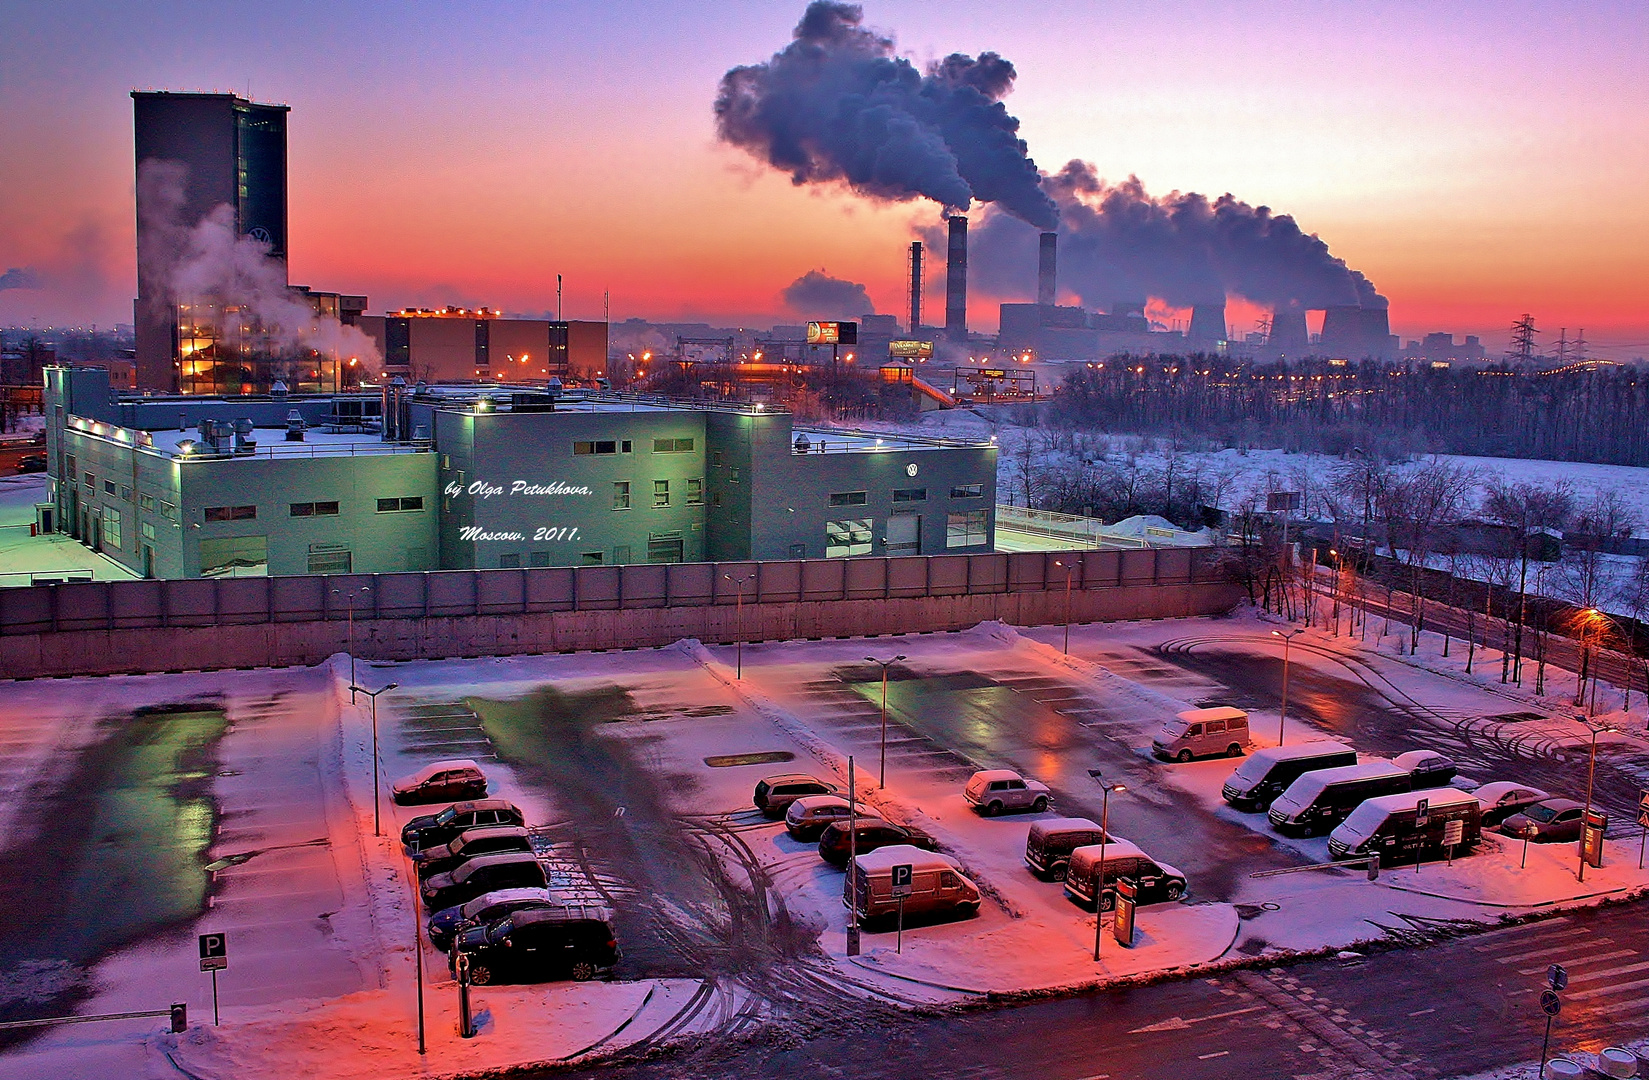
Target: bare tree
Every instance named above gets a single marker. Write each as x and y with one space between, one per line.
1525 509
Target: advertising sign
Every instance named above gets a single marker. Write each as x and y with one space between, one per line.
1591 838
1122 927
832 333
910 350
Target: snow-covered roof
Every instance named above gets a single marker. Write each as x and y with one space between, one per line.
438 766
1048 826
885 858
1499 789
1311 784
1118 848
1436 799
988 775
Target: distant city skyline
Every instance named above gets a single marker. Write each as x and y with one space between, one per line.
1477 162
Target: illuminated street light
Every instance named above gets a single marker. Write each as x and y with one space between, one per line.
1070 569
1104 838
738 619
885 664
377 829
1282 720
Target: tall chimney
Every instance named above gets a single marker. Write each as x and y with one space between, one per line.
915 288
956 281
1047 270
1207 323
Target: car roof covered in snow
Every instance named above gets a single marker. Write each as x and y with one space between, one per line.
1213 712
1118 848
1499 789
439 766
808 802
1063 824
506 896
885 858
1313 783
985 776
1413 759
1436 799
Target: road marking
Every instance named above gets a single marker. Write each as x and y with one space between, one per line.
1553 951
1523 931
1424 1012
1096 1076
1598 959
1624 969
1176 1023
1215 1054
1600 991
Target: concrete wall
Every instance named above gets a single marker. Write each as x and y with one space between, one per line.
137 626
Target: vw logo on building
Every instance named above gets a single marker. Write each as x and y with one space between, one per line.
261 235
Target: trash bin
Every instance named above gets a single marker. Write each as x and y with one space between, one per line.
1564 1069
1617 1062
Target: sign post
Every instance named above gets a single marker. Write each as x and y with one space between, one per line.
852 862
1643 823
1550 1004
1454 831
902 878
214 957
1422 818
466 1027
1122 926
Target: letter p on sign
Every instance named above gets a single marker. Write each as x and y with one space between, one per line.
902 879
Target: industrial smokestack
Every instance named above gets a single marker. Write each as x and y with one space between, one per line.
1343 330
1047 270
915 288
1207 323
1288 333
956 281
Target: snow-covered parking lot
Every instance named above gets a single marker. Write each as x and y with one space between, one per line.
635 771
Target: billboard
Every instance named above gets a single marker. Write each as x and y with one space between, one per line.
910 350
832 333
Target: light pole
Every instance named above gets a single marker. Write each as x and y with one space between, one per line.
885 664
738 620
1070 568
377 829
1282 720
349 598
1591 771
1104 838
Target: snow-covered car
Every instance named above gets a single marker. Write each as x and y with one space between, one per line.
808 815
488 907
992 791
441 781
562 941
1426 768
1503 798
774 794
467 845
872 834
428 830
1549 821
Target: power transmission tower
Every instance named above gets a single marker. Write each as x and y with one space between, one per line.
1579 346
1523 332
1562 346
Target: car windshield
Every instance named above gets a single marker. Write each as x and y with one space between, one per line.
1252 770
1175 728
1541 813
447 816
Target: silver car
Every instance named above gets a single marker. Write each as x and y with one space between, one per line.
994 790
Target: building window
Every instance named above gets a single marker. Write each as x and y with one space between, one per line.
146 502
403 505
910 495
147 530
538 558
590 558
599 446
695 492
849 537
111 527
715 498
626 446
661 493
968 491
68 466
510 562
621 495
965 529
715 458
621 553
847 498
234 556
672 446
125 493
732 476
168 511
664 549
90 480
231 513
314 509
330 559
109 487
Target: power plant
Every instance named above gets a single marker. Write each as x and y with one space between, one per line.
1047 269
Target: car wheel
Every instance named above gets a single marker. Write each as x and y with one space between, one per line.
993 809
1174 892
1058 872
1108 902
1234 750
1184 756
583 971
480 975
1039 805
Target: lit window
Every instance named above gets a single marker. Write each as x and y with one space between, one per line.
968 491
850 537
230 513
661 493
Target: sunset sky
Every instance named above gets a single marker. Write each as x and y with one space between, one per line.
1476 160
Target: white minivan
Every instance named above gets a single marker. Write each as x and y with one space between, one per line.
1218 732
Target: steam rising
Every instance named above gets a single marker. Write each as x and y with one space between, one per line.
838 105
20 277
818 294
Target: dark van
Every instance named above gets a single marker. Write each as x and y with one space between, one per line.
1267 773
1390 826
1321 799
539 944
1050 843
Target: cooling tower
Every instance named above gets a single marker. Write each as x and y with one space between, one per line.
956 281
1207 323
1376 331
1047 270
915 288
1288 331
1343 331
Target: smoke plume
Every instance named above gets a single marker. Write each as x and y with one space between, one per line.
209 263
837 105
818 294
20 277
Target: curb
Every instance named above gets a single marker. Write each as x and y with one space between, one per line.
1491 904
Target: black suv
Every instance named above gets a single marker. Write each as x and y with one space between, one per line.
428 830
775 794
538 945
873 833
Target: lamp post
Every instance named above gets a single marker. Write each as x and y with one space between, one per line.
1591 771
1104 837
738 620
1282 719
1070 568
885 664
377 829
349 598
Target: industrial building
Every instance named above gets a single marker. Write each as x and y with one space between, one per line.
456 344
430 477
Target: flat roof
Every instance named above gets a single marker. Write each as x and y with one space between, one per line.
270 442
839 441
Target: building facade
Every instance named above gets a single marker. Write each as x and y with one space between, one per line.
463 344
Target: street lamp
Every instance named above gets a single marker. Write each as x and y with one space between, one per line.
882 782
1104 838
349 598
738 619
1070 568
1282 720
1591 771
373 694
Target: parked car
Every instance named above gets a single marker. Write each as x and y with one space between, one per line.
467 845
1216 732
775 793
486 908
428 830
1503 798
1268 772
441 781
1321 799
1154 881
1549 821
1049 844
1427 768
808 815
937 885
1390 826
872 834
31 463
994 790
539 944
483 874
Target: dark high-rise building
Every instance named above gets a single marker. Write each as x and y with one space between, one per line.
226 151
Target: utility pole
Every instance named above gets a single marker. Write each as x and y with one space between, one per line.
1523 335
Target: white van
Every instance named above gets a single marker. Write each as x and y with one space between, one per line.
1216 732
937 884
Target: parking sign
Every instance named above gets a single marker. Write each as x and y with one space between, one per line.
902 880
214 952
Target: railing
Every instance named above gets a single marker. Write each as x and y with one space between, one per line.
45 577
1059 526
